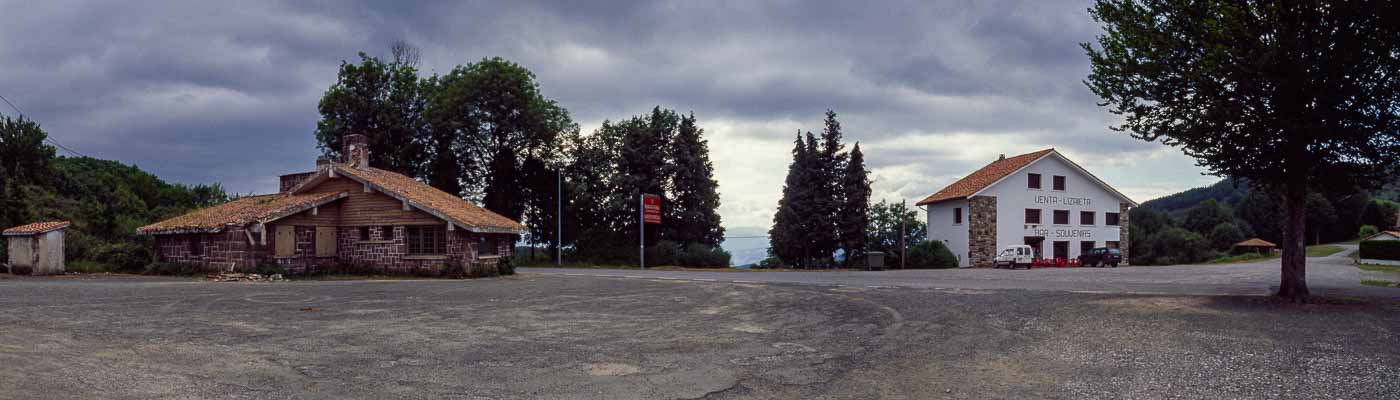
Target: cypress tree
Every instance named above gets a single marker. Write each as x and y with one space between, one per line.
691 216
826 185
854 215
787 239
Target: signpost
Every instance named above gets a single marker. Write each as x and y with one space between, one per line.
650 214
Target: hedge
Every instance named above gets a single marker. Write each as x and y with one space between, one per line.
1381 249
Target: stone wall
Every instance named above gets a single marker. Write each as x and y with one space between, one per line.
982 231
1124 242
224 251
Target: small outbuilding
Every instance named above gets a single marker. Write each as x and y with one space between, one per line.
37 248
1255 245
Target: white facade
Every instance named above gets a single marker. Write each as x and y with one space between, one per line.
1084 204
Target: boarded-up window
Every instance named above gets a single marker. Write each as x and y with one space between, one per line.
285 241
325 241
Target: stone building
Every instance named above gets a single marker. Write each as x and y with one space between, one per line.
36 249
1041 199
343 213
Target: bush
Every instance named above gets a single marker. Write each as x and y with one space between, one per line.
124 256
664 252
1175 245
1381 249
1224 236
701 256
769 262
1367 231
505 266
87 267
931 254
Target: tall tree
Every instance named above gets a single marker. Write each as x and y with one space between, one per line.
1294 96
24 161
788 239
383 101
854 216
693 215
826 181
1204 216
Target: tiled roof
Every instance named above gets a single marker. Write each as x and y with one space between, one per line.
240 212
429 199
980 179
36 228
1255 242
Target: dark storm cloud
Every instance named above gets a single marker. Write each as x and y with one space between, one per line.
227 91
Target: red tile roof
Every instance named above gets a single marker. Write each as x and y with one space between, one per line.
36 228
440 204
1255 242
240 212
982 178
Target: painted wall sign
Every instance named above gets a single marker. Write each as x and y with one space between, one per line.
1063 201
1062 233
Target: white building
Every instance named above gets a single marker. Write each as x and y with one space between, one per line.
1041 199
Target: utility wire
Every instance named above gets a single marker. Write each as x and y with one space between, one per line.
49 138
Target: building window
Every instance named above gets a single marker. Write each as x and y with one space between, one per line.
364 233
1086 217
386 232
957 216
1061 217
1111 245
1110 219
1033 181
1057 182
1085 246
488 246
427 240
196 245
1032 215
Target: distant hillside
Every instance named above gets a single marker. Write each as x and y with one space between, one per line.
1226 191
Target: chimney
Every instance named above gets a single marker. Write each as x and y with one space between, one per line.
1001 157
322 162
356 150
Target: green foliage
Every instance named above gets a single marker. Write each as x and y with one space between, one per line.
124 256
1171 245
1367 231
769 262
883 233
1380 214
931 254
664 252
1226 191
87 267
1380 249
505 266
699 255
1260 211
1206 215
383 101
692 216
1224 236
824 202
1241 257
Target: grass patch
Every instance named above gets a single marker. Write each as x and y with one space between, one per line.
1240 258
1388 284
1380 268
88 267
1323 250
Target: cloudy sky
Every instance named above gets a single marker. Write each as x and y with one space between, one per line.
227 91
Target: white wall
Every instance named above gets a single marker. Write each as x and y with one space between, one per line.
942 228
1081 194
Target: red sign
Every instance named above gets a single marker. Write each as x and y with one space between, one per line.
651 209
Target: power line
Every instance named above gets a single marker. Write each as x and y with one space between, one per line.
46 137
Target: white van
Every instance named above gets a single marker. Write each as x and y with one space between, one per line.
1015 256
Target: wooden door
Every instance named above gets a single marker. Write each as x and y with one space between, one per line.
285 241
325 241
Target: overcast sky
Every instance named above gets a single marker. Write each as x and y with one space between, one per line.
227 91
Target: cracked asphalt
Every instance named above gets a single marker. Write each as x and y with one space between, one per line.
552 336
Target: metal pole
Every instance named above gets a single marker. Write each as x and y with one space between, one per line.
642 230
902 233
559 217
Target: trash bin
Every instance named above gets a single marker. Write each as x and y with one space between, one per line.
875 261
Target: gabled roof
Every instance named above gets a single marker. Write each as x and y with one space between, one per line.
1255 242
998 170
1378 234
420 195
241 212
36 228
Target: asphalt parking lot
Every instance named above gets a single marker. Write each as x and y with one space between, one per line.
553 336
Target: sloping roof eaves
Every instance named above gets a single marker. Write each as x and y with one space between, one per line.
1255 242
240 212
984 177
424 197
36 228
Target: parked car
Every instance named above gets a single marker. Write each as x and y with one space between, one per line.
1100 257
1015 256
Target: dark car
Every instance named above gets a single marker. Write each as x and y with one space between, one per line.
1101 256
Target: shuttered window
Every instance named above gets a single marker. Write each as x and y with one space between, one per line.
325 241
285 241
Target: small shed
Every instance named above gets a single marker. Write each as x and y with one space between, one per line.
37 248
1387 235
1255 245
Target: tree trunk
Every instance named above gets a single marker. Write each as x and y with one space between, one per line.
1294 284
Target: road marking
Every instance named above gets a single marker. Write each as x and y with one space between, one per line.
706 280
738 281
634 277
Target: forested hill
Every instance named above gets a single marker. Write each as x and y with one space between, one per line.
1225 191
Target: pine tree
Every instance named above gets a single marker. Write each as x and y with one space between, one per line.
854 215
691 216
826 170
787 239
